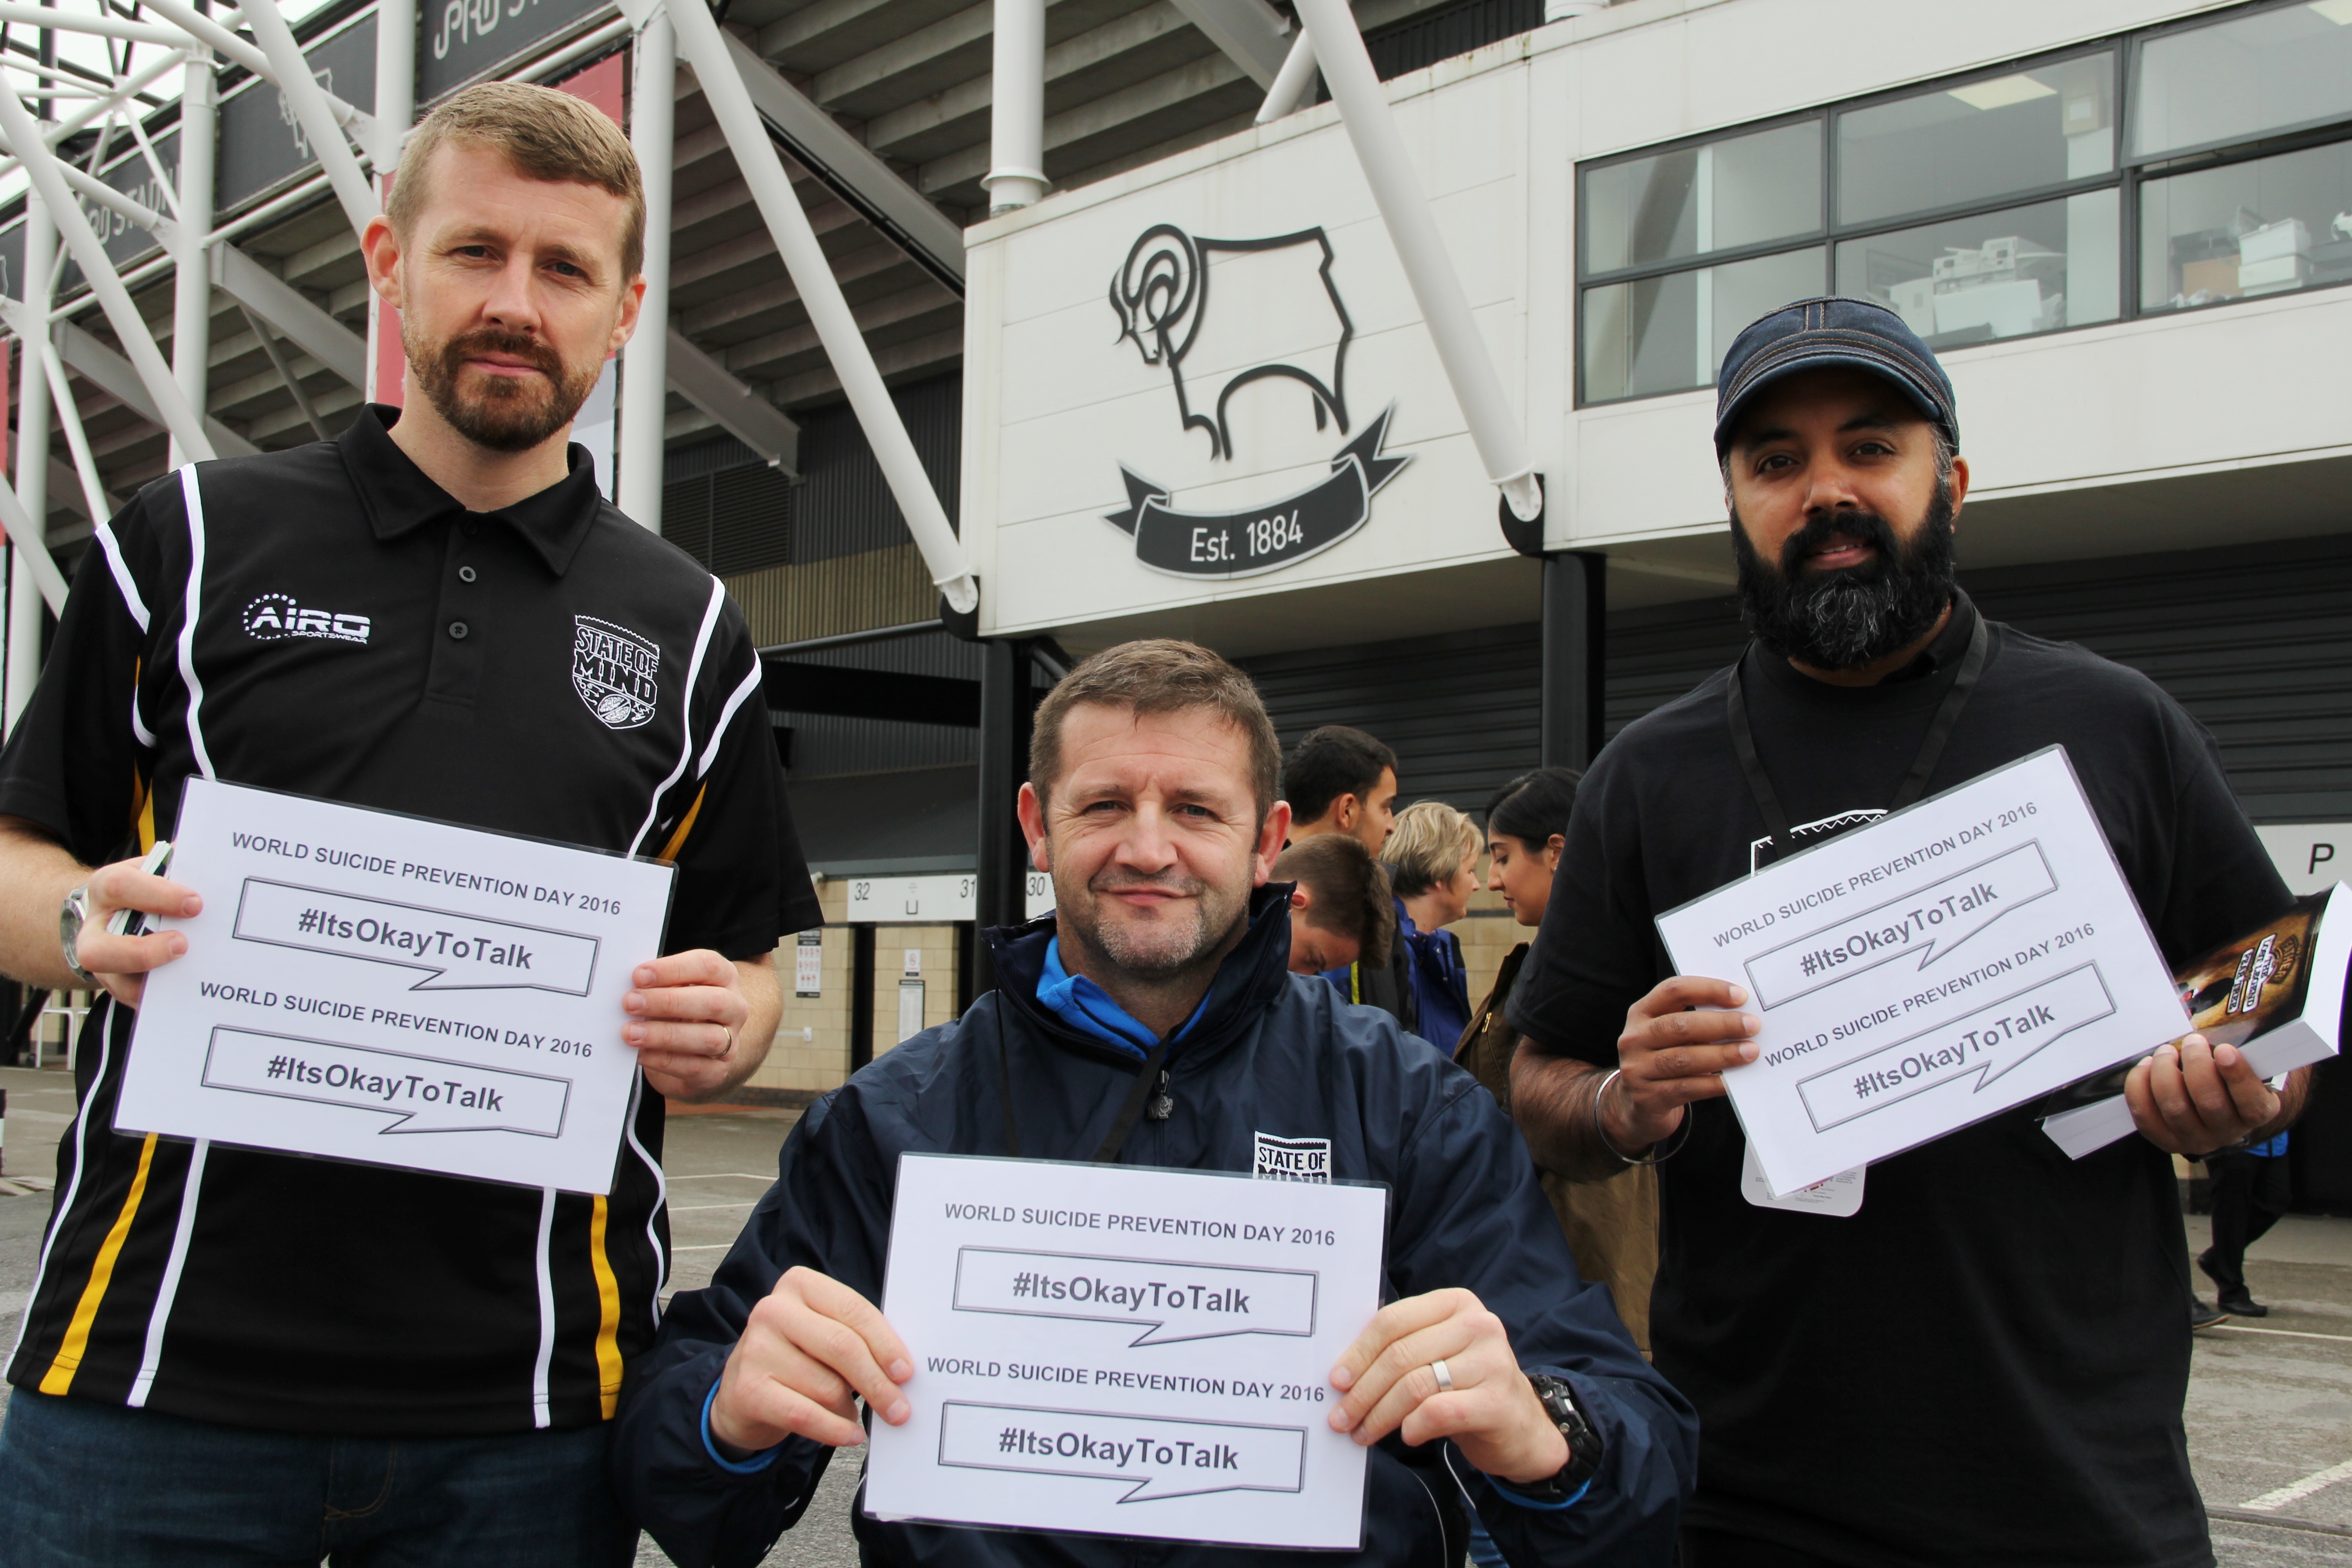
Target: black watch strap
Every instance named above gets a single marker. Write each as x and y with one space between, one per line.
1584 1446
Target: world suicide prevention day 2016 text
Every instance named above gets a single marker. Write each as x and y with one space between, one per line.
1940 965
370 986
1108 1349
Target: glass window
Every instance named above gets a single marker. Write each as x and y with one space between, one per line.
2258 228
1669 334
1742 191
2022 131
2243 78
1969 280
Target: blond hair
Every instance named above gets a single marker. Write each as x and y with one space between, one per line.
1157 674
1430 843
544 134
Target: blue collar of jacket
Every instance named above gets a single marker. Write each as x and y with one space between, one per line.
1091 1010
1252 978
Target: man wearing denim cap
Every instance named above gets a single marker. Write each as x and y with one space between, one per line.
1985 1363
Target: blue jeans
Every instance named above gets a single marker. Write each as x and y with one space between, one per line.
99 1486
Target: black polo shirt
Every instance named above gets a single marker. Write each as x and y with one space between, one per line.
327 621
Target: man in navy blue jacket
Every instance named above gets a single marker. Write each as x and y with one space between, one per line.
1152 1020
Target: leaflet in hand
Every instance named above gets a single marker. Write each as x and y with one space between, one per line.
369 987
1123 1351
2276 994
1946 963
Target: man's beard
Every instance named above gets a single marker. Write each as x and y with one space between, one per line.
1157 951
1857 615
505 413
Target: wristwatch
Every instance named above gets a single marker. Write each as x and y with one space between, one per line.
1584 1451
72 915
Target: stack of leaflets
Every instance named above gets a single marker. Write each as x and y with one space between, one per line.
2276 994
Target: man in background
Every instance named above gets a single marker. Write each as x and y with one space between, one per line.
1342 781
1341 911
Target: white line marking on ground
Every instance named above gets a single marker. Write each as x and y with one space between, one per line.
2285 1333
2300 1489
722 1176
698 1208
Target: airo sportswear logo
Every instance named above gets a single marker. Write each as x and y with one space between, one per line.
616 671
273 616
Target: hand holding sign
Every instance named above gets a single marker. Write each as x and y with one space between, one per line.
813 1348
1490 1410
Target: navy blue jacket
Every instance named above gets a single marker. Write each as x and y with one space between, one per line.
1272 1053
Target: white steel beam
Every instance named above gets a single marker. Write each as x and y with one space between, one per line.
177 415
843 163
312 111
395 82
117 376
724 86
1291 82
85 465
740 410
289 310
22 663
645 362
32 557
1363 103
105 26
285 369
261 62
1016 107
191 279
1253 34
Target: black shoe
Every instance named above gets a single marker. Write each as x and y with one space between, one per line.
2238 1304
2202 1316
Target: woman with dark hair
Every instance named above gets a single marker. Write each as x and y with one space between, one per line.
1612 1224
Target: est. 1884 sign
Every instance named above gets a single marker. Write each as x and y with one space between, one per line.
1161 296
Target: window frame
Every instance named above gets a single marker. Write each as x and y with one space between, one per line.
2125 178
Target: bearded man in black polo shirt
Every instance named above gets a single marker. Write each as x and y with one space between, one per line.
237 1356
1986 1362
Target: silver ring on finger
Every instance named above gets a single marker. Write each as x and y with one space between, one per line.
1437 1369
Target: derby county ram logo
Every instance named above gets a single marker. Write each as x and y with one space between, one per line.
615 670
1278 316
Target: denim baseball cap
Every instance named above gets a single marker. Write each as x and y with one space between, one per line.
1815 332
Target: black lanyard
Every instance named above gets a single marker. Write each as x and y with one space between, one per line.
1151 1077
1931 750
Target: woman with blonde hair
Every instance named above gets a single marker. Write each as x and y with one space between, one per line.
1432 861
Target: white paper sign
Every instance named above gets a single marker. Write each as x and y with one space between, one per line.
1123 1350
1947 962
370 986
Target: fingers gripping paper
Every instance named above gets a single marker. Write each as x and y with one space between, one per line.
1126 1351
1947 962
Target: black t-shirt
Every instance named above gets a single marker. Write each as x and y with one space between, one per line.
1988 1363
329 622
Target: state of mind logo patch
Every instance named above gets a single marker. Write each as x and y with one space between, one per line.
1292 1159
615 670
272 616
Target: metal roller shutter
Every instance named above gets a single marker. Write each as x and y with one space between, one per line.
2256 642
